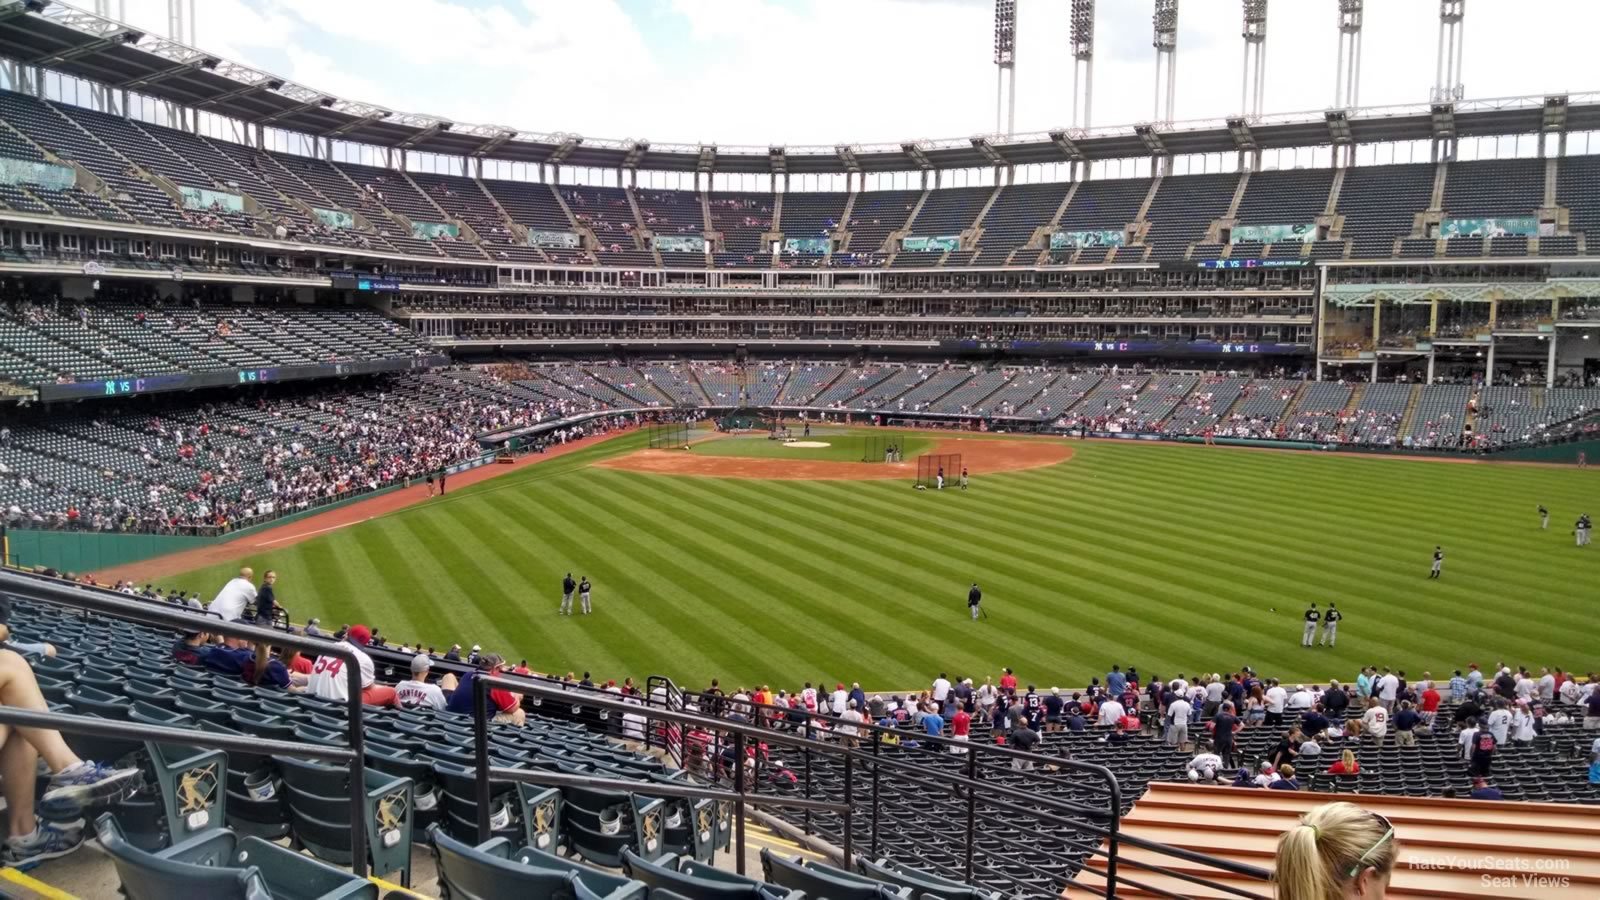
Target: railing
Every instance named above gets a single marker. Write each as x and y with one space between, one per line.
112 604
1073 816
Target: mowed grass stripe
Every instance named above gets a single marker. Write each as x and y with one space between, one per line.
651 571
1165 557
816 566
1290 523
1405 565
620 631
767 603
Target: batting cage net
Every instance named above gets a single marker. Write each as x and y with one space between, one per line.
931 465
669 435
875 448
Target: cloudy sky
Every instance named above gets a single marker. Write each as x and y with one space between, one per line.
823 71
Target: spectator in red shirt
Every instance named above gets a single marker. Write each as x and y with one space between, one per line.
961 725
1428 704
1346 765
1008 682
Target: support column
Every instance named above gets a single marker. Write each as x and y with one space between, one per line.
1488 370
1550 365
1433 319
1377 323
1430 367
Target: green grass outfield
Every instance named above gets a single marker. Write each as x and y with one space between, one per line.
1168 557
843 445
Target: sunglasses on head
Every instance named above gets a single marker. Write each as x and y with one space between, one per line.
1388 835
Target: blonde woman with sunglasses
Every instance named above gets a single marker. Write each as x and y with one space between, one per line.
1338 851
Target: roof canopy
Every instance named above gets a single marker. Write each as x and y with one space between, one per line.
81 44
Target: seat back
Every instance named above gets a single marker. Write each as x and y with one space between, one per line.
319 813
193 784
148 877
663 874
487 872
600 882
816 883
924 884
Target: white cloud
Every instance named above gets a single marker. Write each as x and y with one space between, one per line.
752 72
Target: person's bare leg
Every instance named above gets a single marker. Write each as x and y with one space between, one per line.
18 773
19 689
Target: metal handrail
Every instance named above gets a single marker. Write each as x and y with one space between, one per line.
547 778
115 605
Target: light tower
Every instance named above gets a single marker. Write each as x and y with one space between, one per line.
1347 78
1166 44
1447 87
1082 61
1005 63
1253 88
177 19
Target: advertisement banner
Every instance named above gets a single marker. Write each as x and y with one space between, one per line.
1064 239
566 239
334 218
39 174
204 198
1276 234
939 244
678 243
818 246
1482 228
432 231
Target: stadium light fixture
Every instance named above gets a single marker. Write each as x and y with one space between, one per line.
913 149
1252 90
1347 76
708 158
1082 45
1005 61
1165 40
1067 146
567 143
982 145
777 160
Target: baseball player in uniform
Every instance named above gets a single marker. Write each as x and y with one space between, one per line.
974 597
1438 562
963 478
1330 626
1544 518
1310 632
567 586
583 594
941 478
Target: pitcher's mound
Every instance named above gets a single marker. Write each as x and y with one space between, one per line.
807 444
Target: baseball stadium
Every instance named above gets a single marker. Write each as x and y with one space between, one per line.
398 507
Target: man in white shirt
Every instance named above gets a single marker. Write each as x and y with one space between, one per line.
330 682
847 730
1375 721
1500 724
417 692
1301 698
1277 698
1111 712
1547 686
941 689
1526 686
1178 722
839 699
235 596
1388 689
1205 765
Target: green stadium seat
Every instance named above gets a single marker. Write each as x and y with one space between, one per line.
217 866
831 883
319 814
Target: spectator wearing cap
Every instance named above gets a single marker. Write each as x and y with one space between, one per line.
508 709
330 682
472 657
313 629
453 654
417 692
